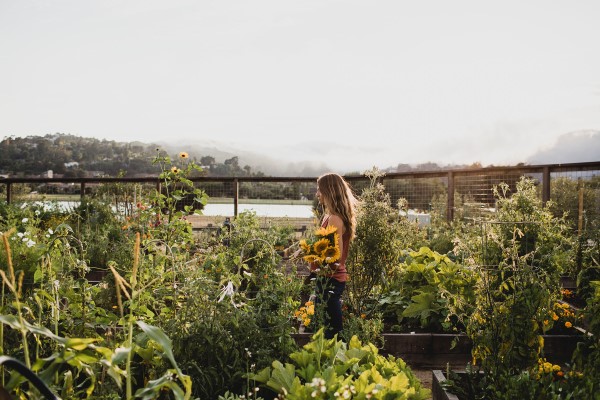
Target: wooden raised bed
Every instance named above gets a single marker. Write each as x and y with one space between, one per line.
437 391
432 350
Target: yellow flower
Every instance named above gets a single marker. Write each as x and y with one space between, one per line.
556 368
546 322
328 230
175 169
331 254
321 245
555 317
183 154
568 324
304 246
311 258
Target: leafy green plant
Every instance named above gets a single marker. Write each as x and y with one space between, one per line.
587 356
367 330
518 256
381 233
426 291
332 369
236 309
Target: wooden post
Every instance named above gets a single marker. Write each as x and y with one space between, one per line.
580 215
82 190
450 204
546 185
236 194
8 193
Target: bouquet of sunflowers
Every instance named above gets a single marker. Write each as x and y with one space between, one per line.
322 249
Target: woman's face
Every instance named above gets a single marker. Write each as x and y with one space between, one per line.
320 196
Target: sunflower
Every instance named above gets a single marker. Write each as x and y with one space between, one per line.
336 238
311 258
331 254
320 245
174 169
328 230
305 246
183 154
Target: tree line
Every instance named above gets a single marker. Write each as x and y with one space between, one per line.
74 156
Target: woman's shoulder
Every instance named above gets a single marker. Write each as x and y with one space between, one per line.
335 220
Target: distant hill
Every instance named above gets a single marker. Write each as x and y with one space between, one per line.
579 146
75 156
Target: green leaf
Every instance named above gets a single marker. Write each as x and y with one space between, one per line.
79 343
421 305
38 275
163 340
154 387
120 355
282 376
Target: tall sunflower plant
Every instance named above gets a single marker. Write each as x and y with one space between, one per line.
322 251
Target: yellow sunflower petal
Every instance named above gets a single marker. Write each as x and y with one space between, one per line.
311 258
305 246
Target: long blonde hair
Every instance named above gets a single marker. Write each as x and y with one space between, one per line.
340 199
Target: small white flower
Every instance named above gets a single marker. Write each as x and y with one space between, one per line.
24 220
37 212
20 234
56 284
227 290
30 243
50 231
23 205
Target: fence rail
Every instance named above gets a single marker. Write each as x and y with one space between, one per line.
450 189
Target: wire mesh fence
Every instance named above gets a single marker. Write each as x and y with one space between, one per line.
574 189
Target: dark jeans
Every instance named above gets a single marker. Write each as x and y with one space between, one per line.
329 291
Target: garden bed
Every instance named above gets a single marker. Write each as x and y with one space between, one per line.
437 390
434 350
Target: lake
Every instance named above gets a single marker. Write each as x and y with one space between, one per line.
262 210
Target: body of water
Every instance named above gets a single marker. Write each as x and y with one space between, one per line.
262 210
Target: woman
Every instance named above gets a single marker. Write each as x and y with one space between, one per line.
338 201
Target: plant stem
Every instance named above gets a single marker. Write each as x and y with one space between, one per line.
134 270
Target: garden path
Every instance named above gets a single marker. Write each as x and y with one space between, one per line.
424 376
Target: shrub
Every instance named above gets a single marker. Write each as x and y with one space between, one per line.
381 234
332 369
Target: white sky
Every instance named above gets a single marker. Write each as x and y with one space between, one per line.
349 83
